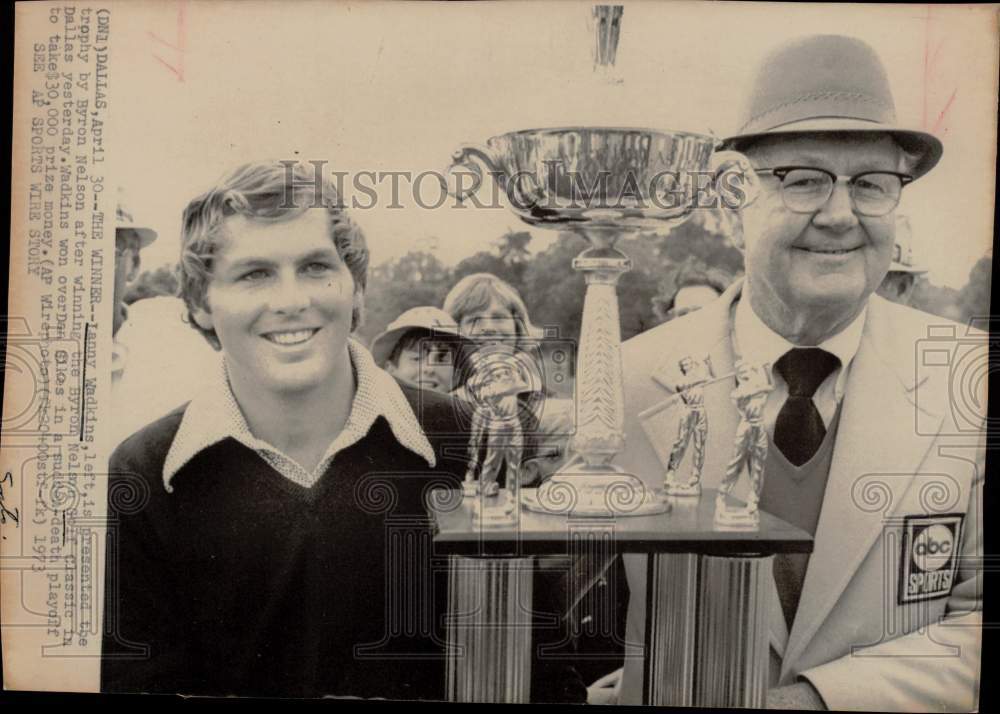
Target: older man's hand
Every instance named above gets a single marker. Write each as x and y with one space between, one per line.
606 690
800 695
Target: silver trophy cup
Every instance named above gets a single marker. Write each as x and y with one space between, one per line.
600 183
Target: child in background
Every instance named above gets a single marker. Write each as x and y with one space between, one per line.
489 310
420 348
486 307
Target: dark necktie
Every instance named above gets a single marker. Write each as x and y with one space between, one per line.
799 429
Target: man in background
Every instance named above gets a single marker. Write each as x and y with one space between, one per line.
130 239
157 361
695 288
904 271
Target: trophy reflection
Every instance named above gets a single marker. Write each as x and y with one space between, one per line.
693 426
496 380
753 385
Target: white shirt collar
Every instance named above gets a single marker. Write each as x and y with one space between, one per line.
214 415
758 343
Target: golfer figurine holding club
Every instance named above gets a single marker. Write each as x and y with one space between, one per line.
753 384
693 425
494 386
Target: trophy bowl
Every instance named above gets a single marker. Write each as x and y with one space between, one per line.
616 178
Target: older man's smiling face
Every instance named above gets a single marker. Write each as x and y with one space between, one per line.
827 262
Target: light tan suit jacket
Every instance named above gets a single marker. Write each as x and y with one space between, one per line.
911 442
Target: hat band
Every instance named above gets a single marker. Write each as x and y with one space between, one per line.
843 105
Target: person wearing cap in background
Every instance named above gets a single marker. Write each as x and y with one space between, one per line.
904 273
885 614
157 361
130 239
420 348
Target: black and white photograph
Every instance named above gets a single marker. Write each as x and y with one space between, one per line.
500 352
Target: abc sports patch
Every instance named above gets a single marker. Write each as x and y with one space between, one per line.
929 559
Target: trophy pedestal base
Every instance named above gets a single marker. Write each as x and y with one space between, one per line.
598 491
739 517
683 490
495 511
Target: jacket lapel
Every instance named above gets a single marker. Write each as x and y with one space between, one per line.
876 444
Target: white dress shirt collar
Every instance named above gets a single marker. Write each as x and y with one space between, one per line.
214 415
758 343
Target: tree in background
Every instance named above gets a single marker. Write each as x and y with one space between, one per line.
152 283
937 300
417 278
701 244
513 248
974 298
552 290
703 239
508 260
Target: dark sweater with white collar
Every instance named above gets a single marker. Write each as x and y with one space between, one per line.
242 582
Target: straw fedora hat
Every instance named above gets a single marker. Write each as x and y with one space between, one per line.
828 83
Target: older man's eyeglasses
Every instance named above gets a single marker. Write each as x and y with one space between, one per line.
805 189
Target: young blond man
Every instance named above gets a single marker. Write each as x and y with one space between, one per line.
255 531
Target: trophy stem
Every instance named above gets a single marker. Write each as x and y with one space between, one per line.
597 486
599 393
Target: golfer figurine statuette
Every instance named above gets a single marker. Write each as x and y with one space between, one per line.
693 426
753 384
494 386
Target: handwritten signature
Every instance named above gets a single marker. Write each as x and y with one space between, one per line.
5 512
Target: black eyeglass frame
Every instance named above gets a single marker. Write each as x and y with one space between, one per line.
780 172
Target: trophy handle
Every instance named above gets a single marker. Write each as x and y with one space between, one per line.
463 158
725 163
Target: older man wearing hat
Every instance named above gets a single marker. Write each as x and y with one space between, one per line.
865 451
904 271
